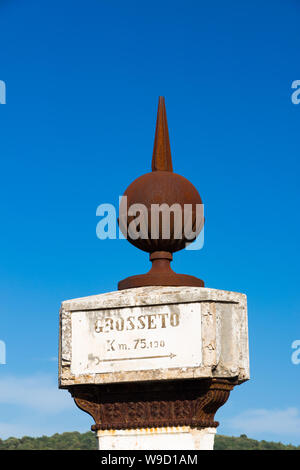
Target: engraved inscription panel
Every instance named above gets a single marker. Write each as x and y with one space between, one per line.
137 338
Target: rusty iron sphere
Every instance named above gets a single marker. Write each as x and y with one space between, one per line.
161 187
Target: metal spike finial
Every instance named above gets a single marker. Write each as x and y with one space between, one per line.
161 158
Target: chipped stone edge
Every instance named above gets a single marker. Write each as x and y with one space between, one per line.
151 296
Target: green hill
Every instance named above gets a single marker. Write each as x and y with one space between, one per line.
87 441
244 443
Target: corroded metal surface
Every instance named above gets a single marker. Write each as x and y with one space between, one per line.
154 405
161 187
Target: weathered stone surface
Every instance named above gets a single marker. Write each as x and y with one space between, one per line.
168 438
136 338
210 339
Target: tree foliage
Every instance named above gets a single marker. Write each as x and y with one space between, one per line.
244 443
87 441
65 441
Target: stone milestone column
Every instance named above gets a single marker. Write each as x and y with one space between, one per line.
153 361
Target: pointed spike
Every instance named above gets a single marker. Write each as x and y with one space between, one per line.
161 159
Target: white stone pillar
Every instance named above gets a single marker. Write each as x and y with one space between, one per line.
171 438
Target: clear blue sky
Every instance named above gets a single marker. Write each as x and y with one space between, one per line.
83 80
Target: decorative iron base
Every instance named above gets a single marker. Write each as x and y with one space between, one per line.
153 404
160 274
